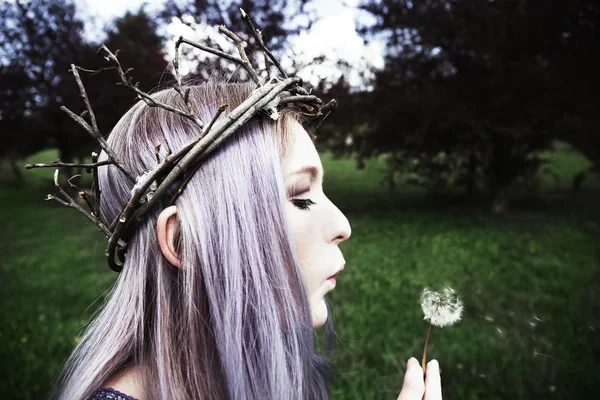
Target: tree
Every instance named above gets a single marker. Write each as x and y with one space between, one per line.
40 38
487 84
140 48
17 141
43 38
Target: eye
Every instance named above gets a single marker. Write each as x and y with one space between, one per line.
303 204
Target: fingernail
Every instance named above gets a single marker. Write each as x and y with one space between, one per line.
412 362
434 365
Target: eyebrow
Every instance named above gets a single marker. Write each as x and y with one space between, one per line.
308 169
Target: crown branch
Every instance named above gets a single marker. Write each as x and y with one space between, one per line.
325 111
266 58
261 44
94 127
58 199
169 162
307 99
95 71
240 46
300 99
176 64
150 186
177 86
240 115
58 163
100 141
88 106
150 101
235 126
228 125
193 170
122 222
96 185
210 50
71 203
84 195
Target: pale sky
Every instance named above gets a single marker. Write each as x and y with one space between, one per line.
334 35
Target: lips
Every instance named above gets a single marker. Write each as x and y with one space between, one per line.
338 271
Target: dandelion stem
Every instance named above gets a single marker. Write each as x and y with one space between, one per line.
423 362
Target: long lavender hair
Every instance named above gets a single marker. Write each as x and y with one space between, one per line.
234 321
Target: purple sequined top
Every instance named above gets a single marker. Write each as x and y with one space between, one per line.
109 394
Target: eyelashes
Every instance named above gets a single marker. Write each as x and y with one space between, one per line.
303 204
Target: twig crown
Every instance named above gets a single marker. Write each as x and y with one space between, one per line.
151 185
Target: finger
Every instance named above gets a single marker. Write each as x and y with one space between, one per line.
413 386
433 381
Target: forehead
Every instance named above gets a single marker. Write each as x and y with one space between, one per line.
302 154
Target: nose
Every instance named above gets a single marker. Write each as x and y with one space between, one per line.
339 224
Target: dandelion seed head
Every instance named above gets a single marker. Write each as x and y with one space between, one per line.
441 309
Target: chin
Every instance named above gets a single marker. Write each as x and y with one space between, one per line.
318 311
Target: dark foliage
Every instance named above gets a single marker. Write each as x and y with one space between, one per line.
40 39
476 89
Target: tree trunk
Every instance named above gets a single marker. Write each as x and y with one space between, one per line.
65 155
16 170
471 176
501 199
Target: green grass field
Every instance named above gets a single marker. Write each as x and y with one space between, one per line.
529 278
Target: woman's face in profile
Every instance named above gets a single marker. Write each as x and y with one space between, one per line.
318 226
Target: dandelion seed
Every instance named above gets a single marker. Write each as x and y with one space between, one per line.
440 309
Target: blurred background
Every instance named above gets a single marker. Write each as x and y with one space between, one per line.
465 152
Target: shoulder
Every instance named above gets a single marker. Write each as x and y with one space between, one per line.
125 385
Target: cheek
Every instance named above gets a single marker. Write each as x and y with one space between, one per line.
305 237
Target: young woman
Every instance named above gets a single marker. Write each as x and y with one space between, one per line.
220 292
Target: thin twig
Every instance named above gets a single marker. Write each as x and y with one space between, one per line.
58 163
148 99
93 130
185 94
71 203
86 100
266 58
325 111
176 64
83 194
96 71
96 184
258 38
240 46
100 141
